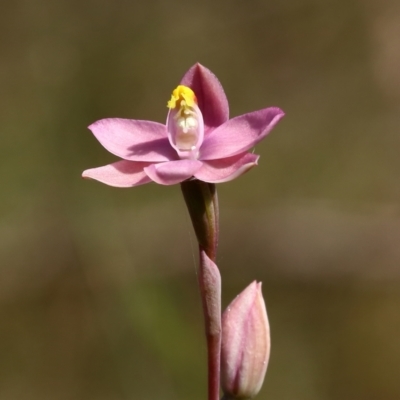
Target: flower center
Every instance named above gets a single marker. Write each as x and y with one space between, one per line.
185 122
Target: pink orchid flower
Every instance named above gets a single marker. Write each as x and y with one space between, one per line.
198 140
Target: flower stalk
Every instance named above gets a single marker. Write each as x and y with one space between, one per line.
210 290
202 203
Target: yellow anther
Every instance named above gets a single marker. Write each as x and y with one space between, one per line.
183 97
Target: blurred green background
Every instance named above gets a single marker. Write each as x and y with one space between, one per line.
98 296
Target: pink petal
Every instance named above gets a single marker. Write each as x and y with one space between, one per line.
120 174
210 95
170 173
226 169
134 140
239 134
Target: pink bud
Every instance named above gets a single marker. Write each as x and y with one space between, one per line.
245 344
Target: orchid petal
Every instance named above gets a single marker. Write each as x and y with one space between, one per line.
119 174
210 95
226 169
134 140
170 173
239 134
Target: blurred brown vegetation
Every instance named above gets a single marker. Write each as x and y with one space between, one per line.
98 296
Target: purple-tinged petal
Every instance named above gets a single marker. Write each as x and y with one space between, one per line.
226 169
120 174
210 95
239 134
134 140
170 173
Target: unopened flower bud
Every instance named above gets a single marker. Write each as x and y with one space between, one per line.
245 344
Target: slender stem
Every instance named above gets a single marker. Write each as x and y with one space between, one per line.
210 289
202 202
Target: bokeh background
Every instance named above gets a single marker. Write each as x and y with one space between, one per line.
98 296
